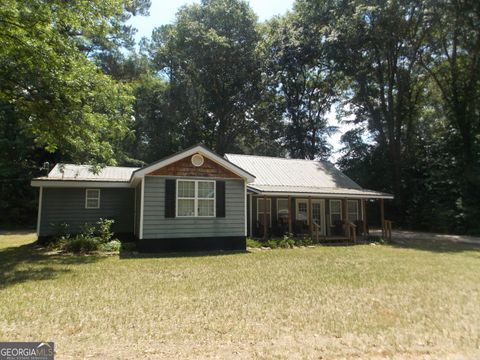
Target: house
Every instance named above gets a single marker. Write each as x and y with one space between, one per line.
198 200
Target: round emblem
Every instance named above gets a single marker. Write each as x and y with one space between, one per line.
197 160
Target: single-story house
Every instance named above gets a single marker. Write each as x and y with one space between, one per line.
198 200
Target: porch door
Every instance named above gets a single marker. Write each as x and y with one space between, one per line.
318 213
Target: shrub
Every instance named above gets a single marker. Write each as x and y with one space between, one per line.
87 241
88 231
81 245
104 230
253 243
111 246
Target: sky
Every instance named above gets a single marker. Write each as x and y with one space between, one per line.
163 12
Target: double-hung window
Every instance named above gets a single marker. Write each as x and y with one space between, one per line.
195 198
92 198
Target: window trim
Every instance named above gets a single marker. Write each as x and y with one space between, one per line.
356 207
92 198
297 212
195 199
269 202
330 210
278 207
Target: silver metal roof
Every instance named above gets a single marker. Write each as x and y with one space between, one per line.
280 175
84 173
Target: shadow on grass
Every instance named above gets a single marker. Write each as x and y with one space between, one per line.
185 254
25 263
440 246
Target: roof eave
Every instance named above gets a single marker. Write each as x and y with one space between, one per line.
323 194
56 183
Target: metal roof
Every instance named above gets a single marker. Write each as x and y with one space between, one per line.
71 172
280 175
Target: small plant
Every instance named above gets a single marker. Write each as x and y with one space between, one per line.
272 244
283 243
253 243
111 246
289 240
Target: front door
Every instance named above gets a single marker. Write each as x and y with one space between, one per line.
318 213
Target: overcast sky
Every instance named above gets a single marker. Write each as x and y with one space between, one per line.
163 12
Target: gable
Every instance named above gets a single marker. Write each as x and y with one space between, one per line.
185 167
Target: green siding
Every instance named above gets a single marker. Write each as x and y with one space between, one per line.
67 205
156 226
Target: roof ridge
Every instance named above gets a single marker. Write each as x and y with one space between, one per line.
108 166
278 158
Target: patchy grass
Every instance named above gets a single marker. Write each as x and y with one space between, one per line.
400 301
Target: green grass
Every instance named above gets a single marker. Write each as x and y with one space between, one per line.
411 300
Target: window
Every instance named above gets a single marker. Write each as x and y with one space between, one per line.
195 198
92 199
335 211
282 211
352 210
302 210
260 211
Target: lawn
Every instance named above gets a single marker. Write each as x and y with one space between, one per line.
409 301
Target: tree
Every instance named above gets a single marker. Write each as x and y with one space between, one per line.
55 103
60 98
451 57
376 46
305 85
209 57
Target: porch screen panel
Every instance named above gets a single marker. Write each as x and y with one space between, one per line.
282 211
260 211
335 211
352 210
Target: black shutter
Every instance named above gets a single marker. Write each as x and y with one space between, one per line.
220 198
170 198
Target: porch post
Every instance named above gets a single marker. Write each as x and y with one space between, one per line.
364 210
344 217
265 225
289 214
382 217
309 211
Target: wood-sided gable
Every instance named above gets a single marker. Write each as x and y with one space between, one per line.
184 167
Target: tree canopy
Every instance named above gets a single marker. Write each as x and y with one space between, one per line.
405 74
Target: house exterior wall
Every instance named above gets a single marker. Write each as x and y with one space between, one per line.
67 205
138 199
157 226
